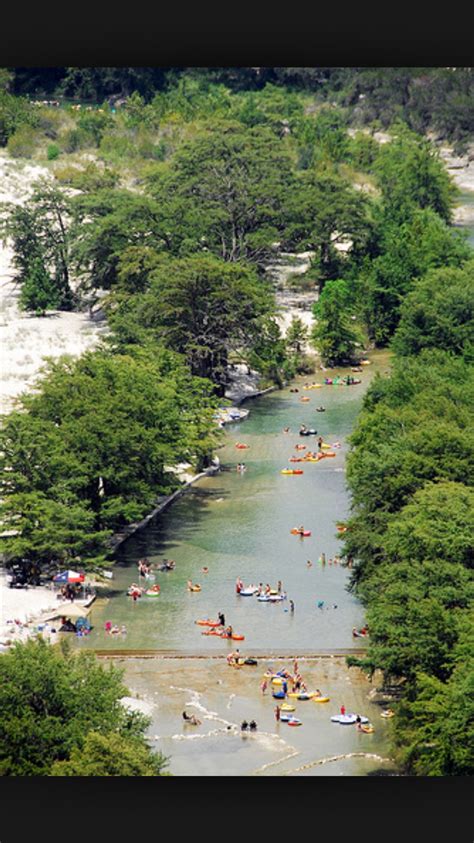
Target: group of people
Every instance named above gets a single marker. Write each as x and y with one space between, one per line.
114 629
241 467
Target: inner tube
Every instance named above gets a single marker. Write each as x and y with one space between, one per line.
367 729
304 696
294 722
277 680
278 695
296 532
285 718
287 707
151 593
252 662
241 445
321 699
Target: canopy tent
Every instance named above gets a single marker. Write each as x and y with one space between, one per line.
69 576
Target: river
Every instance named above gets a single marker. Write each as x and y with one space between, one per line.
239 525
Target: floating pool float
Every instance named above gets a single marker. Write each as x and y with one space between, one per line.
285 718
291 471
367 729
300 447
320 699
303 398
287 707
294 722
388 713
247 592
241 445
152 592
304 696
194 588
210 632
364 362
278 695
302 533
348 719
277 680
341 528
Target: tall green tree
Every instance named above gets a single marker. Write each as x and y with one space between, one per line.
334 335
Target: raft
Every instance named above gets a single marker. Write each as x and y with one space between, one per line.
291 471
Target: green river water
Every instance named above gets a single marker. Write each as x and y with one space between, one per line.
239 525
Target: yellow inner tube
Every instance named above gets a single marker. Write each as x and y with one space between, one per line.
320 699
287 707
277 681
195 588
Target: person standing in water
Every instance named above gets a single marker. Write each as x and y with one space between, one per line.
292 606
277 713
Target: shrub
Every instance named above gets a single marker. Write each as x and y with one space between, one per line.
53 152
22 143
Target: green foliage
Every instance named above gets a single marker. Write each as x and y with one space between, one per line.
42 240
53 152
334 335
296 335
22 143
225 191
90 453
411 175
39 292
201 307
438 313
110 755
56 705
16 116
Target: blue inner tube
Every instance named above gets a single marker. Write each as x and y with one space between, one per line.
279 695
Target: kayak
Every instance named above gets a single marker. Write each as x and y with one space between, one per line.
208 623
291 471
348 719
295 532
320 699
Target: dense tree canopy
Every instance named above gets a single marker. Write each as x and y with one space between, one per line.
57 706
